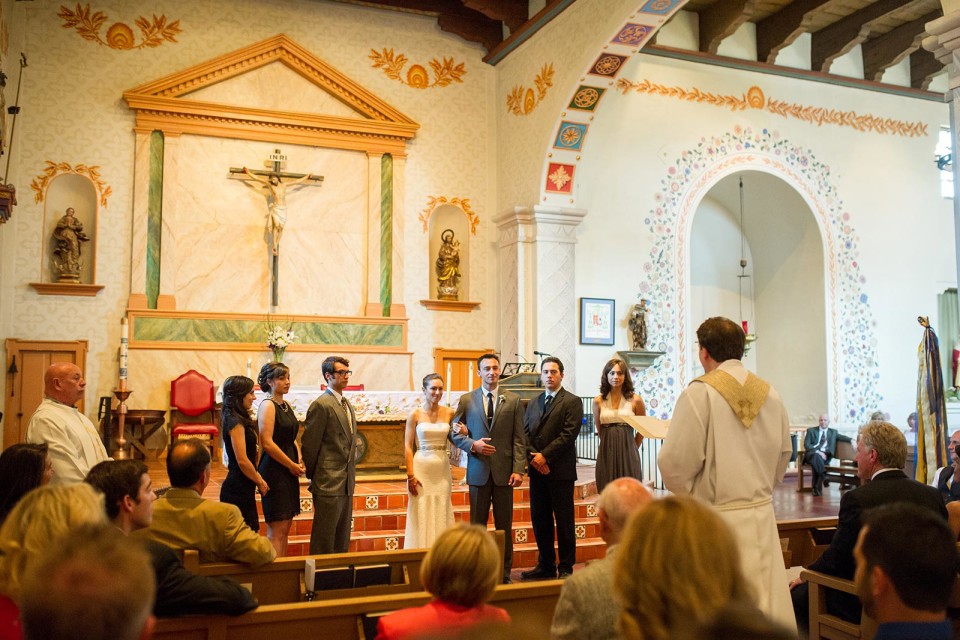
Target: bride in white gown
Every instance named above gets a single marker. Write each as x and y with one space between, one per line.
429 510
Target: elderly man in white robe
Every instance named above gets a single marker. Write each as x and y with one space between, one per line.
74 443
729 445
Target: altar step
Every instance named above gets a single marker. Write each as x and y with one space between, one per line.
380 513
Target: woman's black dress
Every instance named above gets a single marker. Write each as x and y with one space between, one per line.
237 488
282 501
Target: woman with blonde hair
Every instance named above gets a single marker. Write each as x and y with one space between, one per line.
41 519
677 568
460 571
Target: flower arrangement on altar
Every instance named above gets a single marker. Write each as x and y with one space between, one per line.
278 339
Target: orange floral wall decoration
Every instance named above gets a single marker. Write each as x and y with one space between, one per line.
754 98
154 31
463 203
53 169
444 73
522 100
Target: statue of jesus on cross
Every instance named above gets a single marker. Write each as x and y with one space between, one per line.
271 184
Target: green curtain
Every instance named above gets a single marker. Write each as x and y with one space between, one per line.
948 313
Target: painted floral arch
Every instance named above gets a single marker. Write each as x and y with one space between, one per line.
852 344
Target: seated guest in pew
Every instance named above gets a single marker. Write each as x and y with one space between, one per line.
584 610
460 570
881 454
182 519
42 520
678 566
129 504
947 481
819 447
739 620
23 467
96 585
906 568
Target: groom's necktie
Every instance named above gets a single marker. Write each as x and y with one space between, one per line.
343 403
546 403
489 409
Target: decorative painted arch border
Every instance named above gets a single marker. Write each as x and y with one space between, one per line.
53 169
852 359
461 203
558 178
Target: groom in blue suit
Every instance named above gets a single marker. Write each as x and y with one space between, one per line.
497 445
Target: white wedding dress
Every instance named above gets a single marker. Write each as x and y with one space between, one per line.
429 512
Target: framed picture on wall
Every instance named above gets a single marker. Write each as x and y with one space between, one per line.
596 320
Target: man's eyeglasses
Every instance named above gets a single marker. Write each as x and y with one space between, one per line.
342 372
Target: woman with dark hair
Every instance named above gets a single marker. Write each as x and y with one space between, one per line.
22 467
281 463
619 454
429 509
238 432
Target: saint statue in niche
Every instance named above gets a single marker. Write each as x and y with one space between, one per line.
448 267
68 235
638 325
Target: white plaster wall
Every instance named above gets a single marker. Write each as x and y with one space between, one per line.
73 98
886 183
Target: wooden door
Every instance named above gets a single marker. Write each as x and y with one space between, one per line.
25 387
462 363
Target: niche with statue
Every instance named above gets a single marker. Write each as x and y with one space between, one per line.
449 251
69 237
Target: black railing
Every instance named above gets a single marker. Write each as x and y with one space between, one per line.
589 442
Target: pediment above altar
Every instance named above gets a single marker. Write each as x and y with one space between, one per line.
276 91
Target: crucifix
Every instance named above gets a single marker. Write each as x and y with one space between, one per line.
271 184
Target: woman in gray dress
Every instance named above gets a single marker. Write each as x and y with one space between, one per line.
619 453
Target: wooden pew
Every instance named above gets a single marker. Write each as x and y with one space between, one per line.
804 548
530 606
281 581
842 470
824 625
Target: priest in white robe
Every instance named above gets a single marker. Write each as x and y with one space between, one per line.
729 445
74 442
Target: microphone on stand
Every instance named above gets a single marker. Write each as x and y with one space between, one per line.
541 353
520 356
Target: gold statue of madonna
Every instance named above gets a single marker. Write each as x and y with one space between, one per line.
448 267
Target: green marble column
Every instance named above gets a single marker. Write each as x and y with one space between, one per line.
386 233
154 218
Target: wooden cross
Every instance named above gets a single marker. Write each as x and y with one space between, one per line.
272 185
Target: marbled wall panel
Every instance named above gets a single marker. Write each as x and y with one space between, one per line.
151 370
276 87
224 258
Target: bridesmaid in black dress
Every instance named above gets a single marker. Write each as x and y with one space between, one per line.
238 433
281 461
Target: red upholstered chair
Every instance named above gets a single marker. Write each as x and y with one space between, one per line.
193 412
349 387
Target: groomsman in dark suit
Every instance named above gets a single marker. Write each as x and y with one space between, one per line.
552 423
819 447
497 449
329 447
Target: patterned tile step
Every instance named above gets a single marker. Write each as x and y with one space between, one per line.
524 555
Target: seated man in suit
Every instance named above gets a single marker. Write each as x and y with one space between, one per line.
819 447
906 567
881 454
182 519
586 609
95 585
129 499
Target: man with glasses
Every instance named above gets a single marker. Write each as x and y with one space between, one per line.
329 447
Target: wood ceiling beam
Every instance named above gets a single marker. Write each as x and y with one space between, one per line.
923 67
487 32
836 39
721 19
886 50
512 13
780 29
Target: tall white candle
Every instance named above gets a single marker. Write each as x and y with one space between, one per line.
470 378
124 340
249 363
449 375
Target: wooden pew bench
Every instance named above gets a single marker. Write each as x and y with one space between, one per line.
530 606
282 581
842 470
805 538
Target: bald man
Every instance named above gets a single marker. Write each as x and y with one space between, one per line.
584 610
74 442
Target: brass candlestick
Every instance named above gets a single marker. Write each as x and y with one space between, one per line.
122 394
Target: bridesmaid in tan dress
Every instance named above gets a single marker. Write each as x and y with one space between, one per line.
619 453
